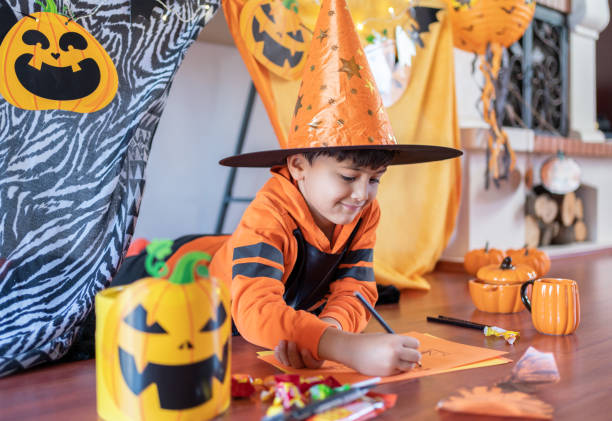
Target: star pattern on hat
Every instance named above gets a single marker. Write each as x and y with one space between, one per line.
322 34
370 86
350 67
331 109
298 105
314 123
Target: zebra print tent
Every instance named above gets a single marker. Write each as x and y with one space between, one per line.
71 183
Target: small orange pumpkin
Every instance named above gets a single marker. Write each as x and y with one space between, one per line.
506 273
537 259
475 259
274 34
50 62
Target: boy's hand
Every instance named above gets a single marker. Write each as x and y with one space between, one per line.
288 353
374 354
384 354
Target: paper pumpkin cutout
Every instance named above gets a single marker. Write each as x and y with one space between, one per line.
495 402
166 345
273 33
53 63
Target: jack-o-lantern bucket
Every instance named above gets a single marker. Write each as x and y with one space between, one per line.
163 345
50 62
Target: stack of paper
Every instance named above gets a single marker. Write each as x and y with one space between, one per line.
437 356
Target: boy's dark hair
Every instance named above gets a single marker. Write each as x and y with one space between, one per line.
369 158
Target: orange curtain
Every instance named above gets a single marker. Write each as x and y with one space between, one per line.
419 202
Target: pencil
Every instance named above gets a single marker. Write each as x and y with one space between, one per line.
455 322
377 316
374 312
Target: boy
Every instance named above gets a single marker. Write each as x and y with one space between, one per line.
305 243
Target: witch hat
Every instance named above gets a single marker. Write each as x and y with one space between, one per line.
338 105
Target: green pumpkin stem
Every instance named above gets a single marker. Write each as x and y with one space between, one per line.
487 247
506 263
49 7
158 250
183 271
526 249
291 5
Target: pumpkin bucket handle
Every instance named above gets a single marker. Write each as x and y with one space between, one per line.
158 250
183 272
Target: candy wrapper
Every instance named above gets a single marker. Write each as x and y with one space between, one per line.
509 335
243 385
362 409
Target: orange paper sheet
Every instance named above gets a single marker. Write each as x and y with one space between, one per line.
437 356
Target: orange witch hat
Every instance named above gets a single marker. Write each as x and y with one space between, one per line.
338 105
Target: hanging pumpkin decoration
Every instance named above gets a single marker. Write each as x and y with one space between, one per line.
475 259
275 35
537 259
486 28
50 62
166 342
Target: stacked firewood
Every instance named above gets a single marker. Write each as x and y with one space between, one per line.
553 218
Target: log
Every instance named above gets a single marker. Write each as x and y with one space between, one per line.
530 204
546 208
579 209
532 231
566 235
580 231
548 232
567 208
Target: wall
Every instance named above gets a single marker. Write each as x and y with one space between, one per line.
200 126
604 70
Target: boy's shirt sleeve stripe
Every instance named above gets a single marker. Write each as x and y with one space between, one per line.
261 249
256 270
360 273
356 256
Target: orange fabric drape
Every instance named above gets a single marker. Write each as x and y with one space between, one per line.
419 203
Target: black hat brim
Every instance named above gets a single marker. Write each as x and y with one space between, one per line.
404 154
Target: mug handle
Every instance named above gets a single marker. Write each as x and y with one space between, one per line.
524 298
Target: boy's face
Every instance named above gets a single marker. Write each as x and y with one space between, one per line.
335 192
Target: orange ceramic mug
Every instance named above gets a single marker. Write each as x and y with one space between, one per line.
554 305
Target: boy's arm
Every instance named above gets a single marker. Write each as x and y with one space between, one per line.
356 273
259 311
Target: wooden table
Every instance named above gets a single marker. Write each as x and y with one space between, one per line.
67 391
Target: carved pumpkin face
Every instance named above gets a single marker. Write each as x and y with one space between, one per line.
274 35
477 23
51 62
166 347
